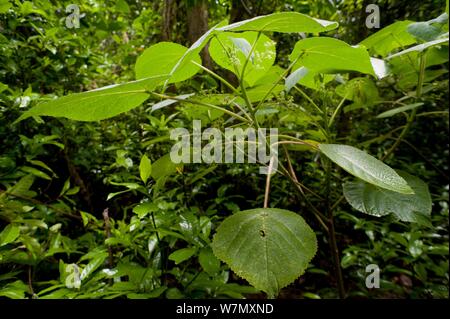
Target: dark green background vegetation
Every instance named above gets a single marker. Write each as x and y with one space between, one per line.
57 175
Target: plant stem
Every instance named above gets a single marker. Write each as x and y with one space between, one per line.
269 174
338 108
308 99
218 77
329 212
30 281
332 235
276 83
241 78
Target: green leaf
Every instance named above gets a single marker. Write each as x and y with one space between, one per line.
164 167
35 172
269 247
287 22
230 51
5 5
180 255
257 93
365 167
161 58
194 50
145 168
362 91
22 187
9 234
406 67
424 31
329 55
14 290
143 209
97 104
376 201
428 30
95 263
122 6
209 261
295 77
389 38
397 110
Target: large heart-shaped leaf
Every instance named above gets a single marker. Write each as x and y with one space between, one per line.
268 247
365 167
376 201
277 22
161 58
230 51
288 22
329 55
97 104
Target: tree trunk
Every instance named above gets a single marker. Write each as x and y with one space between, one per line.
169 18
197 18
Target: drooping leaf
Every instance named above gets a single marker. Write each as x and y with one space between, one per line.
428 30
35 172
421 47
376 201
228 50
424 31
97 104
287 22
22 187
365 167
397 110
160 59
145 168
268 247
329 55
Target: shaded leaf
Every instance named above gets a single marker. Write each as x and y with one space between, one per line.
376 201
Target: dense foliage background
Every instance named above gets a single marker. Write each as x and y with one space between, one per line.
72 201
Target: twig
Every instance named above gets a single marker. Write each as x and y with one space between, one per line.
108 235
269 174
